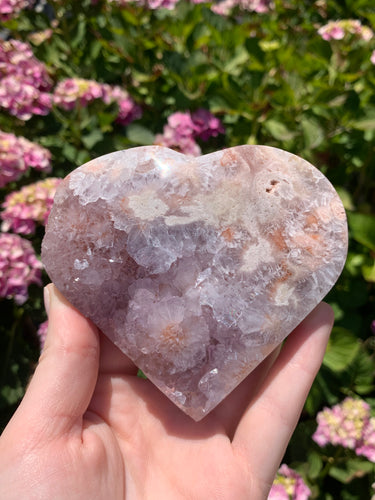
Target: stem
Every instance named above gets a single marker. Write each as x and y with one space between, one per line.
330 462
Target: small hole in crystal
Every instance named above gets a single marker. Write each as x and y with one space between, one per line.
273 186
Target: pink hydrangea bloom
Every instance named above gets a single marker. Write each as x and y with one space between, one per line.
348 424
19 267
17 154
287 485
337 30
151 4
183 128
366 446
24 81
224 7
343 424
42 333
31 205
179 133
77 91
17 58
372 59
22 99
10 8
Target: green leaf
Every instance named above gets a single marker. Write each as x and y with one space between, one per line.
346 198
139 135
364 373
315 464
342 348
235 65
312 132
11 395
365 124
362 227
351 469
92 138
278 130
369 272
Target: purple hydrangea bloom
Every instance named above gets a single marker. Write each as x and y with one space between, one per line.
31 205
19 267
206 124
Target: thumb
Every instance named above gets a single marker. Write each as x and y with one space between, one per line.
64 380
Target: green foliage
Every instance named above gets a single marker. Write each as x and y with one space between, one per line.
271 79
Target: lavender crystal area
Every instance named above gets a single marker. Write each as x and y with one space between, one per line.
196 268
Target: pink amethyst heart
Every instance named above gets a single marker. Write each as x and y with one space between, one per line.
196 268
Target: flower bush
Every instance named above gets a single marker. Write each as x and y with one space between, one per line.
82 79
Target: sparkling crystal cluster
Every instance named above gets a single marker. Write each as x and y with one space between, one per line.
196 268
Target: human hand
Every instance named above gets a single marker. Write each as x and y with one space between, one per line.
89 428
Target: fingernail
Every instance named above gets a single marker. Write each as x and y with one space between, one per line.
47 299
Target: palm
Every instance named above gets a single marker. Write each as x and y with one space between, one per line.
98 431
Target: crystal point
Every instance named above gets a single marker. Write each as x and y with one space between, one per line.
196 268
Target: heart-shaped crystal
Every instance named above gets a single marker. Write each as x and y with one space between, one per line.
196 268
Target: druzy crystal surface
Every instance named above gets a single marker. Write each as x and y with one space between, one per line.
196 268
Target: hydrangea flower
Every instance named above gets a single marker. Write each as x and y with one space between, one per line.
372 59
17 154
179 133
337 30
73 91
17 58
366 446
77 91
151 4
24 81
10 8
225 6
42 333
206 125
22 99
348 424
19 267
128 110
183 128
288 485
31 205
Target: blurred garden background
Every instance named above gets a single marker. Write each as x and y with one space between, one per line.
81 79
